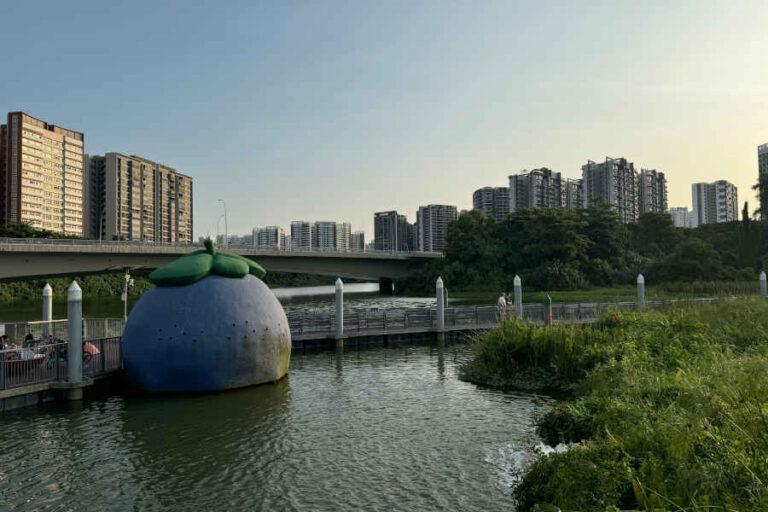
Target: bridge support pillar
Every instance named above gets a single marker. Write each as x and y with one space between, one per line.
75 339
386 286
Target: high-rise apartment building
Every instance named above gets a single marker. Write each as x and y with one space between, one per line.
173 191
133 198
357 241
574 196
762 158
492 201
432 226
714 202
343 236
324 235
269 237
539 188
301 235
41 171
681 217
392 232
613 182
652 192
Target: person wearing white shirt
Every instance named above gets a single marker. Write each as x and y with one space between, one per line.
501 305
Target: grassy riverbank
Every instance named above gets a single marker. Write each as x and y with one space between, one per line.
668 410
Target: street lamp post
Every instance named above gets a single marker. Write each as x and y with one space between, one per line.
218 225
226 224
128 282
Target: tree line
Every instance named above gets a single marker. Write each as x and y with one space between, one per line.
562 249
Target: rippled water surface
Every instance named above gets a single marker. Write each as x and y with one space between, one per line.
370 429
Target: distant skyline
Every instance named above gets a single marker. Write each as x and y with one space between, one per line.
336 110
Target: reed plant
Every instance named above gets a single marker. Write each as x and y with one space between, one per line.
666 410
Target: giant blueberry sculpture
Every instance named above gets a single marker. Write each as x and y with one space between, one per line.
209 323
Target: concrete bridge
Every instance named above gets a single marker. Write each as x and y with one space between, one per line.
38 258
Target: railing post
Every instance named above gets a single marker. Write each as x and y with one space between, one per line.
339 312
440 305
47 311
640 291
518 286
763 285
547 310
75 341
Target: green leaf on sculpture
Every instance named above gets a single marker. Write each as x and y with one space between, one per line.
185 270
198 264
229 265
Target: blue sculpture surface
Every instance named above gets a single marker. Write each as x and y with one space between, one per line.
217 333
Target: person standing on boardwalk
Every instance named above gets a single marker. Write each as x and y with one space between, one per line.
501 305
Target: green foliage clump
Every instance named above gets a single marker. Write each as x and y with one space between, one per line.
586 477
669 410
561 249
103 285
26 230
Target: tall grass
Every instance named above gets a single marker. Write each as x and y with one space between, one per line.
669 409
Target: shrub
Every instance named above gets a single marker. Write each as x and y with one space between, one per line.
669 407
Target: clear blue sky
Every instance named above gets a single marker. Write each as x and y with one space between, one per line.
334 110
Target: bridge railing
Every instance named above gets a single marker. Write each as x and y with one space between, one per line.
38 364
191 245
36 333
26 366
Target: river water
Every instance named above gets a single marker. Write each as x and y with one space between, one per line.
306 299
372 429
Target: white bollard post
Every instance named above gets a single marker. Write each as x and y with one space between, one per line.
763 285
75 341
640 291
47 311
440 305
518 286
339 311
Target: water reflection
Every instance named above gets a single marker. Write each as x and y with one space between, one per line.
381 428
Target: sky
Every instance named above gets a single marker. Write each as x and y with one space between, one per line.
331 110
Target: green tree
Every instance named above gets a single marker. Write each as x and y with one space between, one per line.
761 187
693 260
655 234
26 230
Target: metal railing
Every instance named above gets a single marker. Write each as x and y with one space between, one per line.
41 362
101 355
26 366
360 321
48 363
29 334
